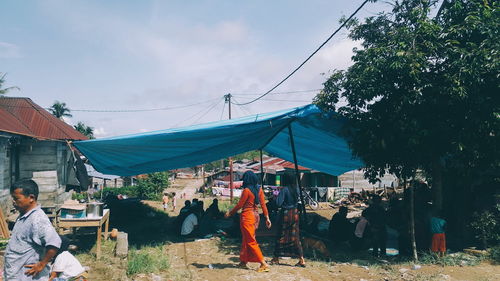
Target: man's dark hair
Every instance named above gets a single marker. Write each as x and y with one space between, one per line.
27 186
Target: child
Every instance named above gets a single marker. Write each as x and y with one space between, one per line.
174 201
165 201
34 241
438 236
66 266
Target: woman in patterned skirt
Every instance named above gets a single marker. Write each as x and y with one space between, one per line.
288 242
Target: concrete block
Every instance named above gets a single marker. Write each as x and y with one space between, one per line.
121 250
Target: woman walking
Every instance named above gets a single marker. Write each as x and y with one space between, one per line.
251 196
288 242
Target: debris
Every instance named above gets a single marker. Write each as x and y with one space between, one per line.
403 270
210 266
416 266
155 277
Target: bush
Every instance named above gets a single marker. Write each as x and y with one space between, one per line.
494 254
130 191
147 260
486 227
152 186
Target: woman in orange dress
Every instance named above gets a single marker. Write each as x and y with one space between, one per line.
251 196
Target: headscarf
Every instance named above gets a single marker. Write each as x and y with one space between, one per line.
250 181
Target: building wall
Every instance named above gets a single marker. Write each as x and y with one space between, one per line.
46 162
5 201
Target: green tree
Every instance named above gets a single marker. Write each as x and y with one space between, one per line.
3 90
151 187
84 129
60 110
423 92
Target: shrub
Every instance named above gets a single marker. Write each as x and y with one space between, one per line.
486 226
494 254
152 186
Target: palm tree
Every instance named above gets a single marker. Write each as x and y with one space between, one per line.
4 91
85 130
59 110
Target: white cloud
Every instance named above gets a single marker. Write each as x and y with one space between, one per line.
193 62
8 51
100 132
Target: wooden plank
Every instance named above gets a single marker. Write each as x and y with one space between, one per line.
4 228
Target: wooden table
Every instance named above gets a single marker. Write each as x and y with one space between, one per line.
90 222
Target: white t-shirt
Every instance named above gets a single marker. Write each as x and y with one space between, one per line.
68 265
188 225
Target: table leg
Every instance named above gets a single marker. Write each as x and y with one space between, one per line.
98 246
106 229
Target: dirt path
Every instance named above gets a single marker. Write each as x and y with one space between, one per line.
215 260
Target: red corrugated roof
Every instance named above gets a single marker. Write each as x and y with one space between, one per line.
24 117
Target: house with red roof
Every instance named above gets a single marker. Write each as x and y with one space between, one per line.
34 145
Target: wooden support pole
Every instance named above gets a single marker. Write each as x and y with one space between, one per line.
297 175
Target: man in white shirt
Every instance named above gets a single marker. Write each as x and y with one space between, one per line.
189 225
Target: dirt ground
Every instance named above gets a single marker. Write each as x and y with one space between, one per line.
194 260
215 259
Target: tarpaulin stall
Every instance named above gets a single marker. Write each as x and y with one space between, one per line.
303 135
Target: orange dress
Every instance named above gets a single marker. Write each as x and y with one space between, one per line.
250 250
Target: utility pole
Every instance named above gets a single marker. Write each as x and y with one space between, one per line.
227 98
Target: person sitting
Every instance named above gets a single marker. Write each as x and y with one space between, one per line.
359 240
340 229
189 226
207 223
214 209
187 206
66 266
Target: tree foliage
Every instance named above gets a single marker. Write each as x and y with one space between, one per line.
60 110
151 187
3 90
422 91
85 130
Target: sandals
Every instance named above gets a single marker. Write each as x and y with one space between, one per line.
299 264
242 266
274 262
263 269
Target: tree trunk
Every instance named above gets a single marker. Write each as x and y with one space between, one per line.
412 223
437 185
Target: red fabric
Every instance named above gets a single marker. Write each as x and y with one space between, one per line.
438 242
247 202
250 250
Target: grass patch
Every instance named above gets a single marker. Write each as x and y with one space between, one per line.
147 260
455 259
227 205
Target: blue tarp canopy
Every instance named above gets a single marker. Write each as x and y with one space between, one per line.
317 143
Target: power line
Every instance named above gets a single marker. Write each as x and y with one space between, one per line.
142 110
222 113
308 58
192 116
203 115
274 100
243 109
281 93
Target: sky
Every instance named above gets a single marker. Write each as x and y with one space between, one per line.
120 55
